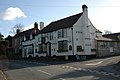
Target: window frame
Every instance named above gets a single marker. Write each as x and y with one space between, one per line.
62 33
30 50
42 48
79 48
62 46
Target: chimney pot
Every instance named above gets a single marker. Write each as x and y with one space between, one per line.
84 7
36 25
41 25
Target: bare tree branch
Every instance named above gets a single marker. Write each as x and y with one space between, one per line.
18 26
107 32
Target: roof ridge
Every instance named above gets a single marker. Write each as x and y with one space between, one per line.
27 30
67 17
61 23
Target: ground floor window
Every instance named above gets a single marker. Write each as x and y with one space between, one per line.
79 48
30 50
70 47
93 50
35 50
25 52
62 46
42 48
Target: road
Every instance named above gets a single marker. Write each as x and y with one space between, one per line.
97 69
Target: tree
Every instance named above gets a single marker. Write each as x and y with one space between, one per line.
1 36
107 32
9 39
3 44
18 26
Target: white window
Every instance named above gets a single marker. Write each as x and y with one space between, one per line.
79 48
51 36
62 46
30 50
47 36
39 39
62 33
42 48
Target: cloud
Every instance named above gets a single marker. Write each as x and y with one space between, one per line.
12 13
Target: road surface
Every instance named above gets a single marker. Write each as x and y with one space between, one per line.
97 69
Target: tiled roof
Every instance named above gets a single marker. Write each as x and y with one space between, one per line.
114 36
103 39
26 32
63 23
98 31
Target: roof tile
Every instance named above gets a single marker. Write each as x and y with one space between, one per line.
63 23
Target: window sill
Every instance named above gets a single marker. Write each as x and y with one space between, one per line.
81 50
62 50
30 52
42 52
93 50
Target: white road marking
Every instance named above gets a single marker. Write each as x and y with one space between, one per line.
97 72
103 72
63 67
111 73
116 75
29 68
79 68
94 63
44 64
106 74
75 68
62 79
84 69
92 71
69 67
44 72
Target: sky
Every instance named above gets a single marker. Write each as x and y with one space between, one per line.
104 14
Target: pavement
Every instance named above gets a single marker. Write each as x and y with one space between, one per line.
2 76
96 69
3 66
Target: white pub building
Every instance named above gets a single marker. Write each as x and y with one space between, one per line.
73 35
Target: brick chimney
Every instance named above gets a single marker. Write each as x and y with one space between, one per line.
85 13
18 31
36 25
41 25
84 7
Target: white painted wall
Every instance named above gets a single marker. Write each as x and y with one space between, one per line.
31 41
84 34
